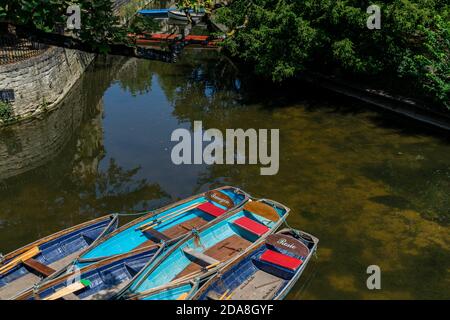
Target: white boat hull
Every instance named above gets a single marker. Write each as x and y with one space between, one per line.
179 15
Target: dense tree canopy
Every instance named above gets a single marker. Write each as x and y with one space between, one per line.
100 27
283 37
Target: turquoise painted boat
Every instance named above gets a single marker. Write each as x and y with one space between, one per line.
168 224
176 291
210 247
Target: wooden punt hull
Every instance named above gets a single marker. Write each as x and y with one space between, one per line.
51 255
251 277
104 278
169 224
210 247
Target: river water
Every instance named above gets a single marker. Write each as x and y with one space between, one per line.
375 191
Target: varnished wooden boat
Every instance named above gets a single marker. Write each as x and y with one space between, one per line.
168 224
210 247
47 257
97 281
267 272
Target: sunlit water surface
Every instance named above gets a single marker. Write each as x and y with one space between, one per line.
371 190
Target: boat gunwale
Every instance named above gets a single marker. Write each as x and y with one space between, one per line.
158 211
123 292
113 217
195 286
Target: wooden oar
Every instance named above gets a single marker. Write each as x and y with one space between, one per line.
229 296
262 209
224 294
183 296
169 216
195 273
158 222
74 287
19 259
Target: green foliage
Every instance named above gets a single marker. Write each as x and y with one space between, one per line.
100 26
430 66
6 112
195 5
283 37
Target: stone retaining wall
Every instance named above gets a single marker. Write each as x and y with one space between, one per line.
39 83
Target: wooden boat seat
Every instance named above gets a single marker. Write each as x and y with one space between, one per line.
155 234
199 257
71 296
11 289
185 227
38 267
211 209
221 251
259 286
278 264
251 226
281 260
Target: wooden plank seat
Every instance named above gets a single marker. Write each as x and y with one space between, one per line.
211 209
259 286
38 267
251 226
175 231
199 257
155 234
185 227
221 251
281 260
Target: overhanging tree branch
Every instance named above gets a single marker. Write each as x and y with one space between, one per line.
64 41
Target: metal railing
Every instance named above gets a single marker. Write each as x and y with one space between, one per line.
13 49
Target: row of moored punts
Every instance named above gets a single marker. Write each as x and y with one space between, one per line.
218 245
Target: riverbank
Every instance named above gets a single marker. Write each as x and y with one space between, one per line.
39 83
382 99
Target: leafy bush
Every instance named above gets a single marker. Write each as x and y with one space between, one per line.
6 112
283 37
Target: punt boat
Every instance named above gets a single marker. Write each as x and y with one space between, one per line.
97 281
168 224
183 290
180 15
51 255
205 250
267 272
155 12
